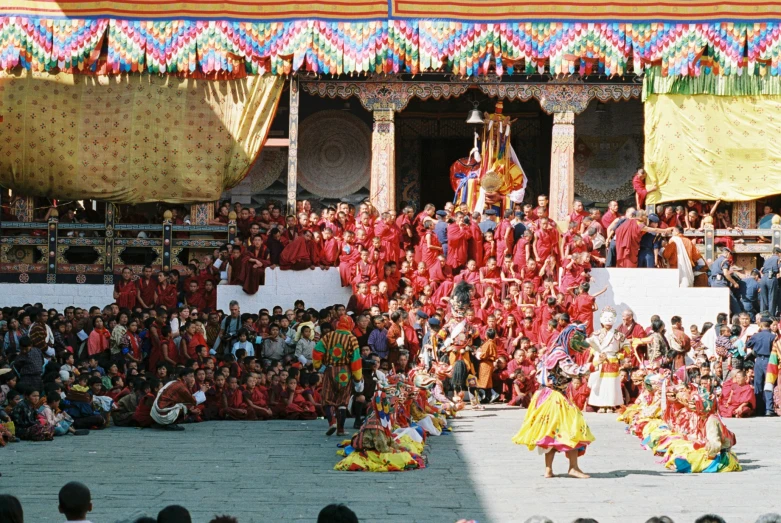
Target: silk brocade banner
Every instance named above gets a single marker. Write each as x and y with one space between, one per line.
708 147
131 138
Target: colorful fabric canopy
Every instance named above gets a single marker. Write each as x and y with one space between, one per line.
381 10
196 47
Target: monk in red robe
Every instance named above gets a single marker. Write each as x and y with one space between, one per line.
641 191
176 403
628 238
737 397
233 405
610 215
146 288
166 293
546 241
578 392
430 247
297 407
256 399
299 254
475 245
365 270
349 254
125 290
385 228
256 259
194 296
457 234
504 235
583 307
361 300
329 250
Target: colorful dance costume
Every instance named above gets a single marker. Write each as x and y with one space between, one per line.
682 425
552 421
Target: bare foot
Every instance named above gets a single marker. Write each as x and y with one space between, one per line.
549 473
577 473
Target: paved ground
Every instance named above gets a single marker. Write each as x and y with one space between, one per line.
282 471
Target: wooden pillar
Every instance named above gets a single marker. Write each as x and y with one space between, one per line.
383 174
51 265
108 258
562 166
292 148
232 227
167 237
710 240
201 213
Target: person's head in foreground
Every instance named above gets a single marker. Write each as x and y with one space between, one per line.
337 514
75 501
174 514
10 510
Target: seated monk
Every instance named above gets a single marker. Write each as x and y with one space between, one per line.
297 407
737 397
299 254
213 405
256 259
233 404
175 402
578 392
256 399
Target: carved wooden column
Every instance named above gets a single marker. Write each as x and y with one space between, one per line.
562 165
292 149
108 258
51 266
383 174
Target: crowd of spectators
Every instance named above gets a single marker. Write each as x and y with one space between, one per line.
75 503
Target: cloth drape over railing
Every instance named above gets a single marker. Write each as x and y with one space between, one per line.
709 147
131 138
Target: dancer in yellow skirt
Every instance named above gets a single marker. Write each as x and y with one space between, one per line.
552 423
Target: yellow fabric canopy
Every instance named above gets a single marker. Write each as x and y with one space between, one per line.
706 147
131 138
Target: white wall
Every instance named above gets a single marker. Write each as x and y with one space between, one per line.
645 291
655 291
318 289
58 296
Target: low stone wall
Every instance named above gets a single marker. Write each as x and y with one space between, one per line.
656 291
318 289
59 295
645 291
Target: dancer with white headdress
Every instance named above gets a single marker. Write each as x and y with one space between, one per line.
606 384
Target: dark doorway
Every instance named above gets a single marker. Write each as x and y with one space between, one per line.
437 155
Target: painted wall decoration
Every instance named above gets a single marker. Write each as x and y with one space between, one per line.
608 150
334 154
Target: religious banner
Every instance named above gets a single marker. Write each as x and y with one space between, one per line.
131 138
712 147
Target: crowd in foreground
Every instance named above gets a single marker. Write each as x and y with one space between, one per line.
75 504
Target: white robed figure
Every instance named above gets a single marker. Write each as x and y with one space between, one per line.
606 384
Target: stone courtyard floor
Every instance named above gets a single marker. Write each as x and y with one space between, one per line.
282 471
